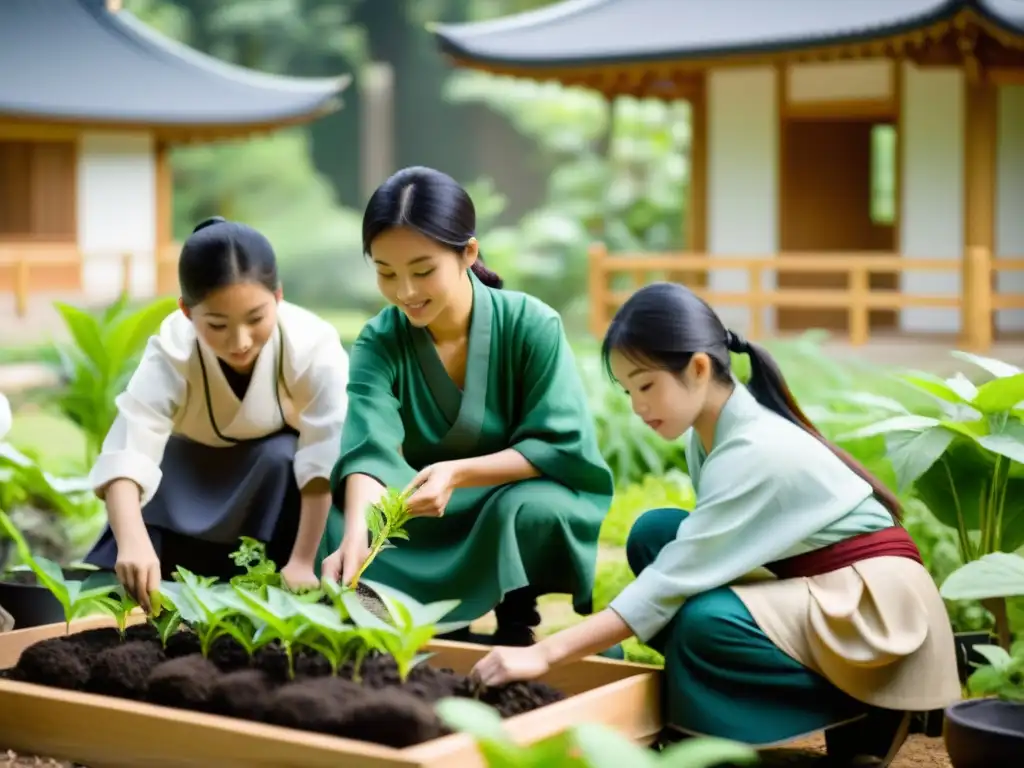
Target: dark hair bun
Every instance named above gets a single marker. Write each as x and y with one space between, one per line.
208 222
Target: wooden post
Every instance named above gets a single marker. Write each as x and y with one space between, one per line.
21 286
164 219
126 274
860 290
980 104
598 288
756 302
697 188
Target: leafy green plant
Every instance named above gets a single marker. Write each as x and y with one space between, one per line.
260 572
211 613
275 617
966 463
992 578
1003 676
583 746
101 360
328 634
386 520
415 624
77 598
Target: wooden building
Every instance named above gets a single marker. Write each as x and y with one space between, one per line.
91 101
791 221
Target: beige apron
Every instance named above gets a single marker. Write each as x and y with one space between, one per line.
877 630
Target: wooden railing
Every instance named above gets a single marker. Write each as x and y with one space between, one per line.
22 263
976 301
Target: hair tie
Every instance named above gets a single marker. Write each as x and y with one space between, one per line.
735 343
209 222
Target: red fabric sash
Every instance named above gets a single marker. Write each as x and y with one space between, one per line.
889 542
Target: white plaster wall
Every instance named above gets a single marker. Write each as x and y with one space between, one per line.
743 166
932 189
840 80
1010 198
116 212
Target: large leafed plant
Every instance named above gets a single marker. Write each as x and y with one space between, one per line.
967 462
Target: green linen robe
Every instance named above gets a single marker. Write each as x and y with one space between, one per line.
522 391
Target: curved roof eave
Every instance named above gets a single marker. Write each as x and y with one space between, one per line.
80 63
587 33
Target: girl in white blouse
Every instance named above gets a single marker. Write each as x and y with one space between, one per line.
229 427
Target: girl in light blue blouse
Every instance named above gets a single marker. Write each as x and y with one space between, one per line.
850 635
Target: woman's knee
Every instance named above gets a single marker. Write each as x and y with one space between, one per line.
706 628
649 535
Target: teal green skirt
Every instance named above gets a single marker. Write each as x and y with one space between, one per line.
723 676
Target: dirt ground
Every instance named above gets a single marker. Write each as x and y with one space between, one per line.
918 752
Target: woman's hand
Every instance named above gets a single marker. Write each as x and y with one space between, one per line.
138 569
342 565
434 486
298 574
508 665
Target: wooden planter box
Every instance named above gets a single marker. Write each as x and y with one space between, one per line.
105 732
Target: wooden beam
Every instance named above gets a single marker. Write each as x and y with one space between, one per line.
980 118
1005 75
697 189
166 281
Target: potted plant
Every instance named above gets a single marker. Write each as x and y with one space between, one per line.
988 728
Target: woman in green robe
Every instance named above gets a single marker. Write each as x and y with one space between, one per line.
470 394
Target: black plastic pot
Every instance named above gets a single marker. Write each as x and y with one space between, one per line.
984 733
30 604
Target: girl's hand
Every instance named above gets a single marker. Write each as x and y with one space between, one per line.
434 486
299 575
508 665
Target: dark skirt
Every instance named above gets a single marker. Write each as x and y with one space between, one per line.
209 497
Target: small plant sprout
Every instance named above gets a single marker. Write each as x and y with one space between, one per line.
77 598
202 607
584 746
259 571
119 604
415 624
277 616
385 520
330 636
164 617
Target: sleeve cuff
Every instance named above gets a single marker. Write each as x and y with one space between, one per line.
642 612
315 462
130 466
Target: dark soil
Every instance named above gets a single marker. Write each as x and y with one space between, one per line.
378 707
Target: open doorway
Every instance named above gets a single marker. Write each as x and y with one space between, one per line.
838 195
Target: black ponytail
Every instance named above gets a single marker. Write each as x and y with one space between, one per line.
666 324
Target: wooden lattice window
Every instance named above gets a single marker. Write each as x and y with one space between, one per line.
37 190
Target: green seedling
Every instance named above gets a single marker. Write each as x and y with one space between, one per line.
330 636
584 746
385 520
277 617
77 598
204 608
165 617
414 624
260 572
119 604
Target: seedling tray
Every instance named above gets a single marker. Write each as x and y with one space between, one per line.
107 732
